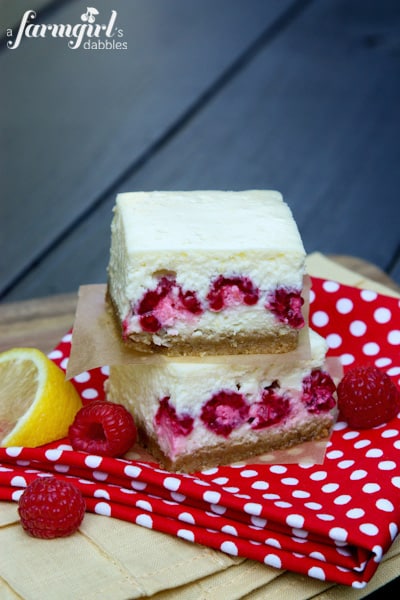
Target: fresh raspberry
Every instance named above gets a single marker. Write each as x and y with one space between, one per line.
231 291
51 508
103 428
173 424
224 412
271 409
180 301
367 397
318 390
286 305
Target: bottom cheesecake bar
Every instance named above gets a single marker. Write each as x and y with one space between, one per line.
194 415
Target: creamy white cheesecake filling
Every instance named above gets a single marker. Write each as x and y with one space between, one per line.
189 385
193 238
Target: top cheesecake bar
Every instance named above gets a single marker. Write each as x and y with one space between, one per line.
206 272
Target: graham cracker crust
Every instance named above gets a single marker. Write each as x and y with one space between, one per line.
256 342
228 452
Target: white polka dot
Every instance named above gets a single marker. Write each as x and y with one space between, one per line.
325 517
328 488
186 534
393 530
369 529
132 471
138 485
13 451
186 517
229 548
334 340
178 497
343 499
220 510
300 494
172 484
105 370
317 573
371 349
221 480
318 475
384 505
295 521
358 474
289 481
393 371
362 444
394 337
279 469
358 328
92 461
100 475
371 488
350 435
82 377
260 485
313 505
18 481
311 297
345 464
229 529
272 542
283 504
273 561
101 494
102 508
396 482
253 508
210 471
53 454
61 468
144 505
318 556
355 513
333 454
338 533
248 473
320 318
64 363
383 362
346 359
387 465
344 306
212 497
382 315
16 495
330 286
374 453
368 295
67 338
144 521
90 393
389 433
55 354
258 522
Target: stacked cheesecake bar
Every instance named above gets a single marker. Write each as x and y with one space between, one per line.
196 276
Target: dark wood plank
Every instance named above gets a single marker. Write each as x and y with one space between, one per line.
72 122
314 114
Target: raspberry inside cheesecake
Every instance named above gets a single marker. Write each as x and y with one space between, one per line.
206 272
194 414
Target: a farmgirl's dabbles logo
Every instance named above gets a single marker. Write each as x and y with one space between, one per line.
86 34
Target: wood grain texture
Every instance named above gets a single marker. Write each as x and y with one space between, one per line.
73 122
313 113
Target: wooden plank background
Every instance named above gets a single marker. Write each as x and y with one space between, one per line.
297 95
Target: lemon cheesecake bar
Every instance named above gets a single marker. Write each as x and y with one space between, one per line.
206 272
193 414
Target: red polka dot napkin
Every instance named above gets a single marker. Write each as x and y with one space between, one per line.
332 521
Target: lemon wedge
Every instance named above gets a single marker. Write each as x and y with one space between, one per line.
37 404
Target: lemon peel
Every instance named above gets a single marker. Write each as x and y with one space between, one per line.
37 403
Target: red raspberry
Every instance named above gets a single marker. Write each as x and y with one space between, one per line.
367 397
51 508
103 428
